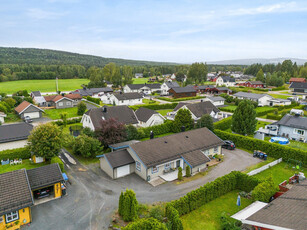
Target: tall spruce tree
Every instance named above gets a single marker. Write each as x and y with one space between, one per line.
244 118
128 205
120 204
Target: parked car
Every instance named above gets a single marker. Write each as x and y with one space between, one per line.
41 193
228 145
27 119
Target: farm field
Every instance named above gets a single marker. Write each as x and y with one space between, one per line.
10 87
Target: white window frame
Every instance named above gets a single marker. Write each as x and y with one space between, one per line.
60 103
13 215
68 103
155 169
167 165
206 152
138 166
300 131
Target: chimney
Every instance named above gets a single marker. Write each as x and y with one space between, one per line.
63 94
151 135
201 100
105 109
182 128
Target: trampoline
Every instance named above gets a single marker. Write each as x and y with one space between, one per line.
280 140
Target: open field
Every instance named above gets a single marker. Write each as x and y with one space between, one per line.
41 85
208 216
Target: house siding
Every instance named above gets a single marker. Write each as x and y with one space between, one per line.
24 218
104 165
87 122
289 132
180 95
155 119
142 173
66 104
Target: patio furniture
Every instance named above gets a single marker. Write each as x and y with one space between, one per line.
20 161
15 162
11 162
5 162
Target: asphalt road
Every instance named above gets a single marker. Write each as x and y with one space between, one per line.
93 196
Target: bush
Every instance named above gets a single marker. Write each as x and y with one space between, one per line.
68 122
223 124
81 108
92 99
157 129
262 113
86 146
272 149
146 224
23 153
128 205
59 161
180 173
155 106
156 213
279 88
173 220
88 132
180 99
229 224
188 171
273 116
265 190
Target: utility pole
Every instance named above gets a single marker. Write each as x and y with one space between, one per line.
56 83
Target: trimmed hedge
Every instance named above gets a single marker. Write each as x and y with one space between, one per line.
173 219
11 154
279 88
164 128
92 99
147 224
59 161
272 149
262 113
68 122
223 124
265 190
273 116
213 190
155 106
180 99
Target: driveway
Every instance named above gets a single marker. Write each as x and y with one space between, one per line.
93 196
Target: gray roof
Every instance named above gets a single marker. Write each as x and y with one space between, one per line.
143 114
223 89
44 176
164 149
256 82
298 85
15 191
287 211
37 93
139 86
216 98
127 96
199 109
172 84
15 132
205 86
187 89
195 158
227 78
123 144
91 91
293 121
119 158
121 113
250 95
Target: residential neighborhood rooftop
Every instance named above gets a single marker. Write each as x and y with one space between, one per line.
90 91
293 121
118 158
298 85
186 89
143 114
15 132
199 108
250 95
127 96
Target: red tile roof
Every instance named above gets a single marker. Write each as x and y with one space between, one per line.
73 96
58 97
49 98
294 79
22 106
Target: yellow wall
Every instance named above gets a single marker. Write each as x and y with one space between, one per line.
24 214
57 190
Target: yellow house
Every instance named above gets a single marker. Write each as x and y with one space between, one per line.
21 189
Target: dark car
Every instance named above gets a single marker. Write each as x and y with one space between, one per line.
229 145
41 193
27 119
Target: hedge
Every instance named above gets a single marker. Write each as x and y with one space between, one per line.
180 99
272 149
212 190
264 190
262 113
157 129
223 124
273 116
146 223
68 122
155 106
92 99
11 154
279 88
59 161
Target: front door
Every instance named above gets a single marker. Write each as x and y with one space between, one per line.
178 164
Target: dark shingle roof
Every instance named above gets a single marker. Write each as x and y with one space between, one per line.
172 84
216 98
139 86
121 113
119 158
195 158
163 149
44 176
256 82
250 95
298 85
202 87
15 192
223 89
293 121
37 93
91 91
186 89
227 78
15 132
127 96
143 114
123 144
287 211
200 108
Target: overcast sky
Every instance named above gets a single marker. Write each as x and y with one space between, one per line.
161 30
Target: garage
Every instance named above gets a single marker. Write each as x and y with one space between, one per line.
117 164
32 115
123 171
26 109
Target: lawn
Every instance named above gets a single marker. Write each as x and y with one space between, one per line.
264 109
163 112
66 129
41 85
162 135
262 124
12 117
229 108
83 160
139 80
279 172
298 145
150 102
208 216
27 164
55 114
280 96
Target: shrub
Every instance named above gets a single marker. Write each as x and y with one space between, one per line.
279 88
59 161
180 173
156 213
265 190
155 106
223 124
92 99
146 224
188 171
229 224
173 220
68 122
23 153
86 146
132 133
157 129
128 206
88 132
81 108
273 116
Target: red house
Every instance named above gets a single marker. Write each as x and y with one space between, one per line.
253 84
294 79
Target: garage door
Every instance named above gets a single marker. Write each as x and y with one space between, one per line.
32 115
123 171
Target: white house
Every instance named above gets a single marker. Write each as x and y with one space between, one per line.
142 88
166 86
261 99
225 80
279 102
217 101
138 75
2 116
38 98
93 92
148 117
125 99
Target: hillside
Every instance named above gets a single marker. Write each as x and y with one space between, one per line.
53 57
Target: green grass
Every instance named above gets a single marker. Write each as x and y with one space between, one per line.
208 216
12 117
150 102
162 135
298 145
229 108
180 99
66 129
27 164
280 96
279 172
83 160
163 112
55 114
259 165
265 108
139 80
262 124
41 85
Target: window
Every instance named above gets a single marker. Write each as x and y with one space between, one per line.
206 152
154 169
299 131
68 103
12 216
167 165
1 219
216 149
138 166
60 103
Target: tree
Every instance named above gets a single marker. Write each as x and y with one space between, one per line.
109 71
120 203
205 121
128 206
88 132
86 146
183 118
132 133
127 74
96 77
180 173
64 118
260 76
111 131
81 108
188 171
198 72
173 219
146 223
303 72
10 101
45 140
180 76
244 118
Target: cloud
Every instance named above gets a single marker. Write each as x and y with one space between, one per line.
37 13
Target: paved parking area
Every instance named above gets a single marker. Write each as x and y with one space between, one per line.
93 196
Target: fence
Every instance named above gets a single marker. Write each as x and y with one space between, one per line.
256 171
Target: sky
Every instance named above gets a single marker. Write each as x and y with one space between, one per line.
182 31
